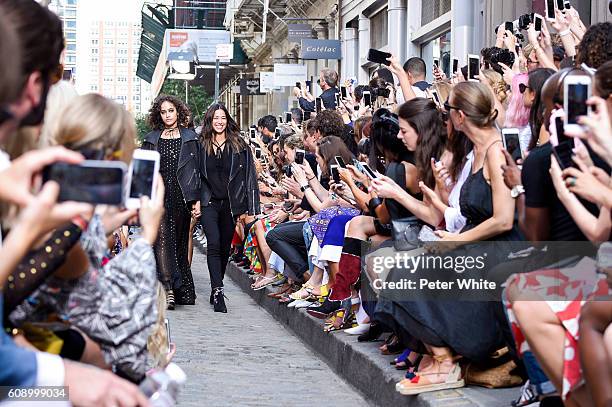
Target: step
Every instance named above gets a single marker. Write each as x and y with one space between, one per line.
361 364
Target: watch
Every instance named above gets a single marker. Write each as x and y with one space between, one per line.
304 188
516 191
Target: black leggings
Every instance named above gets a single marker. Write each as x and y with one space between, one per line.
218 225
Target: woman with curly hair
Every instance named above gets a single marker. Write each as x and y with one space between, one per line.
180 169
229 192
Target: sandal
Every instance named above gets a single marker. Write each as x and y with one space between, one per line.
422 382
341 320
307 289
263 282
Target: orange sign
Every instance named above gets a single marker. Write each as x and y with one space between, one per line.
178 38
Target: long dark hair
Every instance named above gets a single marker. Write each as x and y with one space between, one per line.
384 141
332 146
536 81
232 130
424 117
183 114
459 145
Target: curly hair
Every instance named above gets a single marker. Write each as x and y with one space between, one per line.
497 83
154 119
596 46
329 123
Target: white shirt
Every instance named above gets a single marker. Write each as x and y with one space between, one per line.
400 96
455 221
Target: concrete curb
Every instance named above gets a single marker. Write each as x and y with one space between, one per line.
361 364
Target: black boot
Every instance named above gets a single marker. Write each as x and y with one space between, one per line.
324 310
219 300
212 297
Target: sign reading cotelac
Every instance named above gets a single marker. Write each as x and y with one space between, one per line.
321 49
250 87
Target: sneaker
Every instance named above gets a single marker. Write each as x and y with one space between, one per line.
219 300
326 309
360 329
527 396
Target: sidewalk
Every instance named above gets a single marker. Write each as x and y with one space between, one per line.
246 357
361 364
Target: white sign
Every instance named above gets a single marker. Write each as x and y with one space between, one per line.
225 52
202 43
266 82
289 74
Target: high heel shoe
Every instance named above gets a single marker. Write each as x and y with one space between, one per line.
219 300
373 333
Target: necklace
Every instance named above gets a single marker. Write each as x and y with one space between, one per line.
218 147
170 133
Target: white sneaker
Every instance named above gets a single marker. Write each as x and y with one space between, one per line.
358 330
301 304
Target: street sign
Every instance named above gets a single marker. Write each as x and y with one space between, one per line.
225 52
289 74
266 82
250 87
297 32
321 49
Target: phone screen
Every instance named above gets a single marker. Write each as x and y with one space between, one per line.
550 9
252 133
340 162
513 145
343 92
378 57
474 67
288 117
258 153
318 104
538 24
436 97
307 115
143 173
577 95
367 99
455 65
299 156
368 171
567 5
337 100
563 152
560 129
298 85
560 4
509 26
92 181
436 62
335 174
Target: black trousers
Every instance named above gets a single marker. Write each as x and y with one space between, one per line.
287 241
218 225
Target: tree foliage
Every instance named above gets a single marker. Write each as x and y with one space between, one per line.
198 99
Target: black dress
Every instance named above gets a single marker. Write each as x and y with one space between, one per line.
470 328
172 244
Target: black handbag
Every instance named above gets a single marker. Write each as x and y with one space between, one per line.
405 233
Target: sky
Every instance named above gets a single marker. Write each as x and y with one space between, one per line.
110 10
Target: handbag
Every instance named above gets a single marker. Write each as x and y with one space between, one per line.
498 371
405 233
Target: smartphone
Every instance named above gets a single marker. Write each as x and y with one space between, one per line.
356 108
252 133
538 23
142 177
307 115
318 105
567 5
277 133
167 325
280 118
510 138
436 62
378 57
550 9
560 5
288 171
455 65
577 90
92 181
560 131
288 117
309 86
337 100
298 85
563 153
509 26
436 98
299 156
335 173
473 67
343 92
367 98
368 171
340 162
258 153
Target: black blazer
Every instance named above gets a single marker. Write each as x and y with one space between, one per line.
188 172
242 189
328 97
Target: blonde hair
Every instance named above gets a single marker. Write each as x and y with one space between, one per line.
497 83
294 141
443 88
475 100
157 342
94 122
60 95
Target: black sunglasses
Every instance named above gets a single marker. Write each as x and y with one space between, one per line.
523 87
448 107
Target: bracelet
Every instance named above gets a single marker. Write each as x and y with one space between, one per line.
304 188
80 222
566 32
310 179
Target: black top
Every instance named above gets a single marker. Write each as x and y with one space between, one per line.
422 85
397 172
218 167
540 193
328 98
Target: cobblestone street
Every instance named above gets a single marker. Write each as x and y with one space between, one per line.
245 357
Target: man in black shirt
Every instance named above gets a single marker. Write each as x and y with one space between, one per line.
328 82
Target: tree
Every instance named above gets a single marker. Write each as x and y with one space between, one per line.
142 128
198 99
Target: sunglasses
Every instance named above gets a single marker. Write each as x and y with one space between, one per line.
448 107
523 87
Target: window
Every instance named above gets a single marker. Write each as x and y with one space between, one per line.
438 48
94 60
71 59
70 13
70 36
378 29
432 9
94 51
93 88
71 47
71 2
94 42
108 42
71 24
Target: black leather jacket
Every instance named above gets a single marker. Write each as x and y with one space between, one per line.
242 189
188 172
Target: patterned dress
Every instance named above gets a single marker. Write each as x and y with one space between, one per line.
172 244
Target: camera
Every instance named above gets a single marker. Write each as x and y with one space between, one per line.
525 20
504 56
380 92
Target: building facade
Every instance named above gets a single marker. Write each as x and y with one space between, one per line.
67 12
112 61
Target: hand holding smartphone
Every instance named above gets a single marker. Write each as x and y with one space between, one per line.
142 177
299 156
510 138
378 57
576 92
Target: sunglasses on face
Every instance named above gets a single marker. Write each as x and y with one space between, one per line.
523 87
448 107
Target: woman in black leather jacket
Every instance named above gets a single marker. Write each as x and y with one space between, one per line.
180 169
229 191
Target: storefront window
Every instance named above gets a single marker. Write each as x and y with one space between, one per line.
440 49
378 29
432 9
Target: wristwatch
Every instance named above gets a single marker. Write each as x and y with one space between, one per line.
304 188
516 191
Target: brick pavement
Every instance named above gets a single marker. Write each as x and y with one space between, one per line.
246 357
